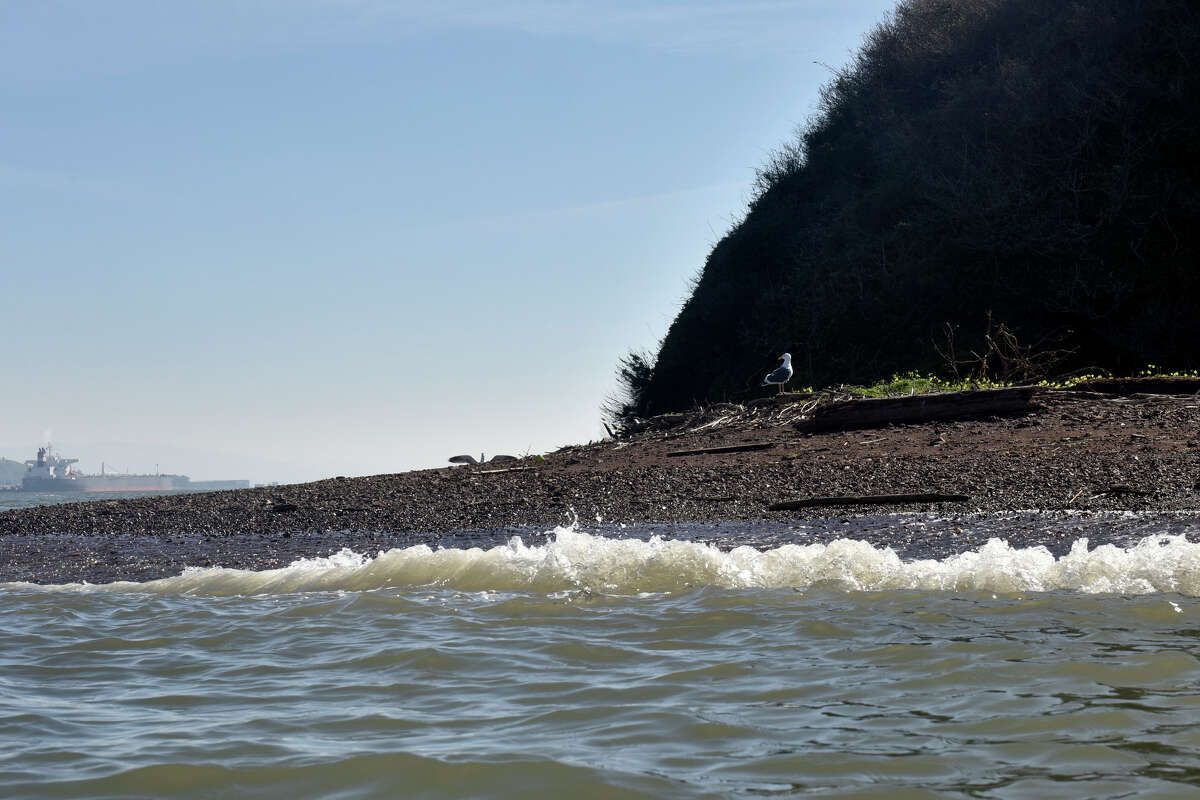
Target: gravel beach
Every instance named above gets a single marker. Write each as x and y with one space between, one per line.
1077 453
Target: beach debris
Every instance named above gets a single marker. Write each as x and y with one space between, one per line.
780 399
870 499
680 420
1120 490
915 409
736 448
712 423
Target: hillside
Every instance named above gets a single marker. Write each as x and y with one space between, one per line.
1024 170
11 472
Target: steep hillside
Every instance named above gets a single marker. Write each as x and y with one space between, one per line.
1030 164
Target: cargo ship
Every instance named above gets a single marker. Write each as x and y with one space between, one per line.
51 473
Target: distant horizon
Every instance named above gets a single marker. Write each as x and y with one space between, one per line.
90 463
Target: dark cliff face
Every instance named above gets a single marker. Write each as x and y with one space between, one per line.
1029 162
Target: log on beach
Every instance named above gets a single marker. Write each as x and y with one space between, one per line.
869 499
917 409
737 448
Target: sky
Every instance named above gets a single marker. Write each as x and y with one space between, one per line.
284 240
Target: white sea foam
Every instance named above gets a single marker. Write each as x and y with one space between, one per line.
571 560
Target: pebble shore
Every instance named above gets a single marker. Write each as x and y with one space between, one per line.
1078 453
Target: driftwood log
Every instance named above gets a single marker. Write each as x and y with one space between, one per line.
736 448
916 409
870 499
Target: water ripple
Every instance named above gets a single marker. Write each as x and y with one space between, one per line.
718 690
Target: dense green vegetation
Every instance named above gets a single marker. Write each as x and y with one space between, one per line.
1005 188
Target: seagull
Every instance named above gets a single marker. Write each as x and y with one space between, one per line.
781 375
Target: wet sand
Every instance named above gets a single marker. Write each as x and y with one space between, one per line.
1082 454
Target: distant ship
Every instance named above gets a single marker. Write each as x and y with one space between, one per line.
51 473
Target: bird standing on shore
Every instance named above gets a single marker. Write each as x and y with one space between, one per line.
781 375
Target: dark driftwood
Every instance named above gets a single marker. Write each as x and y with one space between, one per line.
870 499
737 448
915 409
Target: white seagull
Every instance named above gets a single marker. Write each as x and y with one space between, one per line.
781 375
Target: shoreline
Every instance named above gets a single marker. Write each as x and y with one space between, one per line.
1073 452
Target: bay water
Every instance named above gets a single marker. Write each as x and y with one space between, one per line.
582 663
15 498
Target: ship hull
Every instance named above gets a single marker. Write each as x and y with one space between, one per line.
53 473
102 483
29 484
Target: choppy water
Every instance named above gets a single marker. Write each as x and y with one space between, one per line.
599 667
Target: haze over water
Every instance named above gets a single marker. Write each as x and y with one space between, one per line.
596 666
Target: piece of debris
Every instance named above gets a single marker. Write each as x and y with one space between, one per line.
916 409
736 448
782 399
1119 490
870 499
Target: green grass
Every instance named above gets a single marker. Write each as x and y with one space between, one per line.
915 383
1149 371
1152 371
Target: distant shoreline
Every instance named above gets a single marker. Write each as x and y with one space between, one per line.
1077 452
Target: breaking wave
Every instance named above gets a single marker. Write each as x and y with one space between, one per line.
570 560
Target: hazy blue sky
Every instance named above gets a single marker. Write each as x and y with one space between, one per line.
291 239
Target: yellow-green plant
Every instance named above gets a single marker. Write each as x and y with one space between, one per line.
915 383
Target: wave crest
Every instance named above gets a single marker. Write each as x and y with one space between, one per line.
575 560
